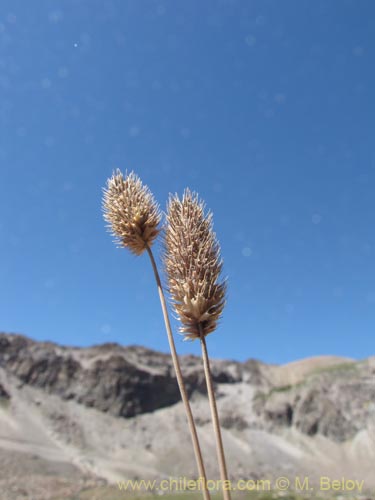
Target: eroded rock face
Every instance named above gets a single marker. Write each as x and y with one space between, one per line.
108 383
122 381
279 411
4 395
119 387
317 413
335 401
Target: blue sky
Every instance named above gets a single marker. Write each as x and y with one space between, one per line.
263 107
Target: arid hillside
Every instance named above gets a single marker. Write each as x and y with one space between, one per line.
77 418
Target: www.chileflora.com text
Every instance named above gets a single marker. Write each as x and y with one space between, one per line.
282 483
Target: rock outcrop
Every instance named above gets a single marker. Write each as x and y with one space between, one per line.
4 395
333 399
122 381
335 402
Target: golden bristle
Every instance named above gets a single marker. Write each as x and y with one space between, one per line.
131 211
193 265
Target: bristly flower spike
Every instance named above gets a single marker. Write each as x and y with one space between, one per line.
132 214
193 266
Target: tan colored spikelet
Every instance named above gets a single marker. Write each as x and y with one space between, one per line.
193 265
132 214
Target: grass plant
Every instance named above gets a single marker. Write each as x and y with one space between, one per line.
193 266
134 219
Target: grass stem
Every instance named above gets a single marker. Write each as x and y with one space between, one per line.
215 419
180 381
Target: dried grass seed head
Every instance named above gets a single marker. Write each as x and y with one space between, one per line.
193 265
132 214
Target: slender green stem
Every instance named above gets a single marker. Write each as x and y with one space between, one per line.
180 381
215 418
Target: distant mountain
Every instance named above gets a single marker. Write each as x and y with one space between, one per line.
78 418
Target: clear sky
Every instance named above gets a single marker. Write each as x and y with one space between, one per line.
263 107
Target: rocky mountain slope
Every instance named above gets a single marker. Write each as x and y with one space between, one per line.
77 418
